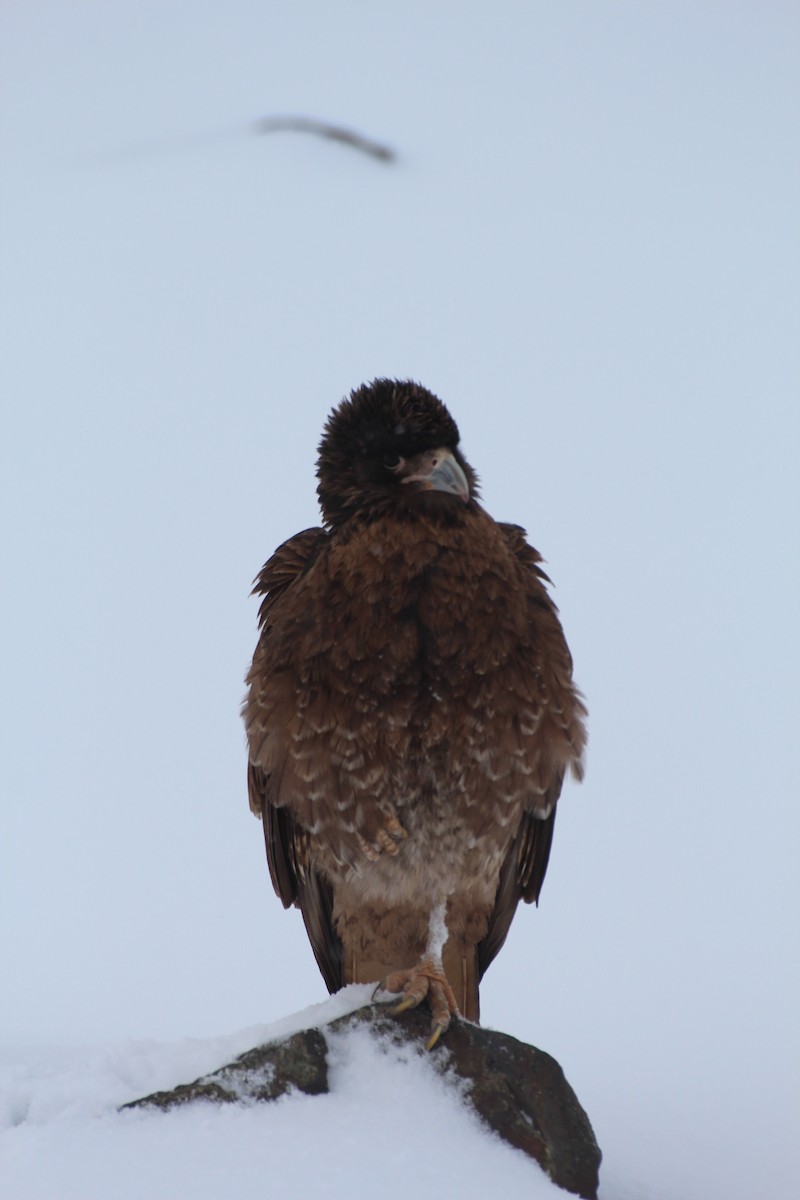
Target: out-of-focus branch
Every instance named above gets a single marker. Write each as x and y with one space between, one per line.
335 133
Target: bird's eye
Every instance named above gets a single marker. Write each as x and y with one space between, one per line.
392 461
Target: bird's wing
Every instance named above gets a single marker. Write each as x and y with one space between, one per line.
525 865
294 880
521 878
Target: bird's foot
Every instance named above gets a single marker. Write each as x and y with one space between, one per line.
424 981
384 840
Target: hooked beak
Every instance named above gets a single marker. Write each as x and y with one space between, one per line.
437 471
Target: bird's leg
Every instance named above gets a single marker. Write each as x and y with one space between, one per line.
427 980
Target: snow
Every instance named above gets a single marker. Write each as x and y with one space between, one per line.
437 931
389 1124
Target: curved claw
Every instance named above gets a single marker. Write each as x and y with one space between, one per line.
438 1029
408 1001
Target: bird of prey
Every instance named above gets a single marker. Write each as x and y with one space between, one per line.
410 711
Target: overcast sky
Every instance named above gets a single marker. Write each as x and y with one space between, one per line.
588 247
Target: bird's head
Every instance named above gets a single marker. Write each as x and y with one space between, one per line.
391 446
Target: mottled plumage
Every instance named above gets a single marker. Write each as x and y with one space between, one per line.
411 711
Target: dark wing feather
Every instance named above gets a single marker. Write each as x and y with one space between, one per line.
533 841
286 842
526 554
278 836
288 563
297 883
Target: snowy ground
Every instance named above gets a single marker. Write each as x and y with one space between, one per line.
389 1124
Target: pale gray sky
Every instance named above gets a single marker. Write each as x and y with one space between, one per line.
588 247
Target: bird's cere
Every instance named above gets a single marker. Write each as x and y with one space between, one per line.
438 471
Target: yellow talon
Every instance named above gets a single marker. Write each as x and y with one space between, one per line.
438 1030
404 1005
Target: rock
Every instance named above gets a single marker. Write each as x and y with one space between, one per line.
297 1064
519 1092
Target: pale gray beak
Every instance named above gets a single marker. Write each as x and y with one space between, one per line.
437 471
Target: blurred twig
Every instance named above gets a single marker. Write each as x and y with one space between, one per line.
335 133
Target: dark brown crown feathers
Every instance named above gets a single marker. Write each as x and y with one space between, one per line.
378 419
